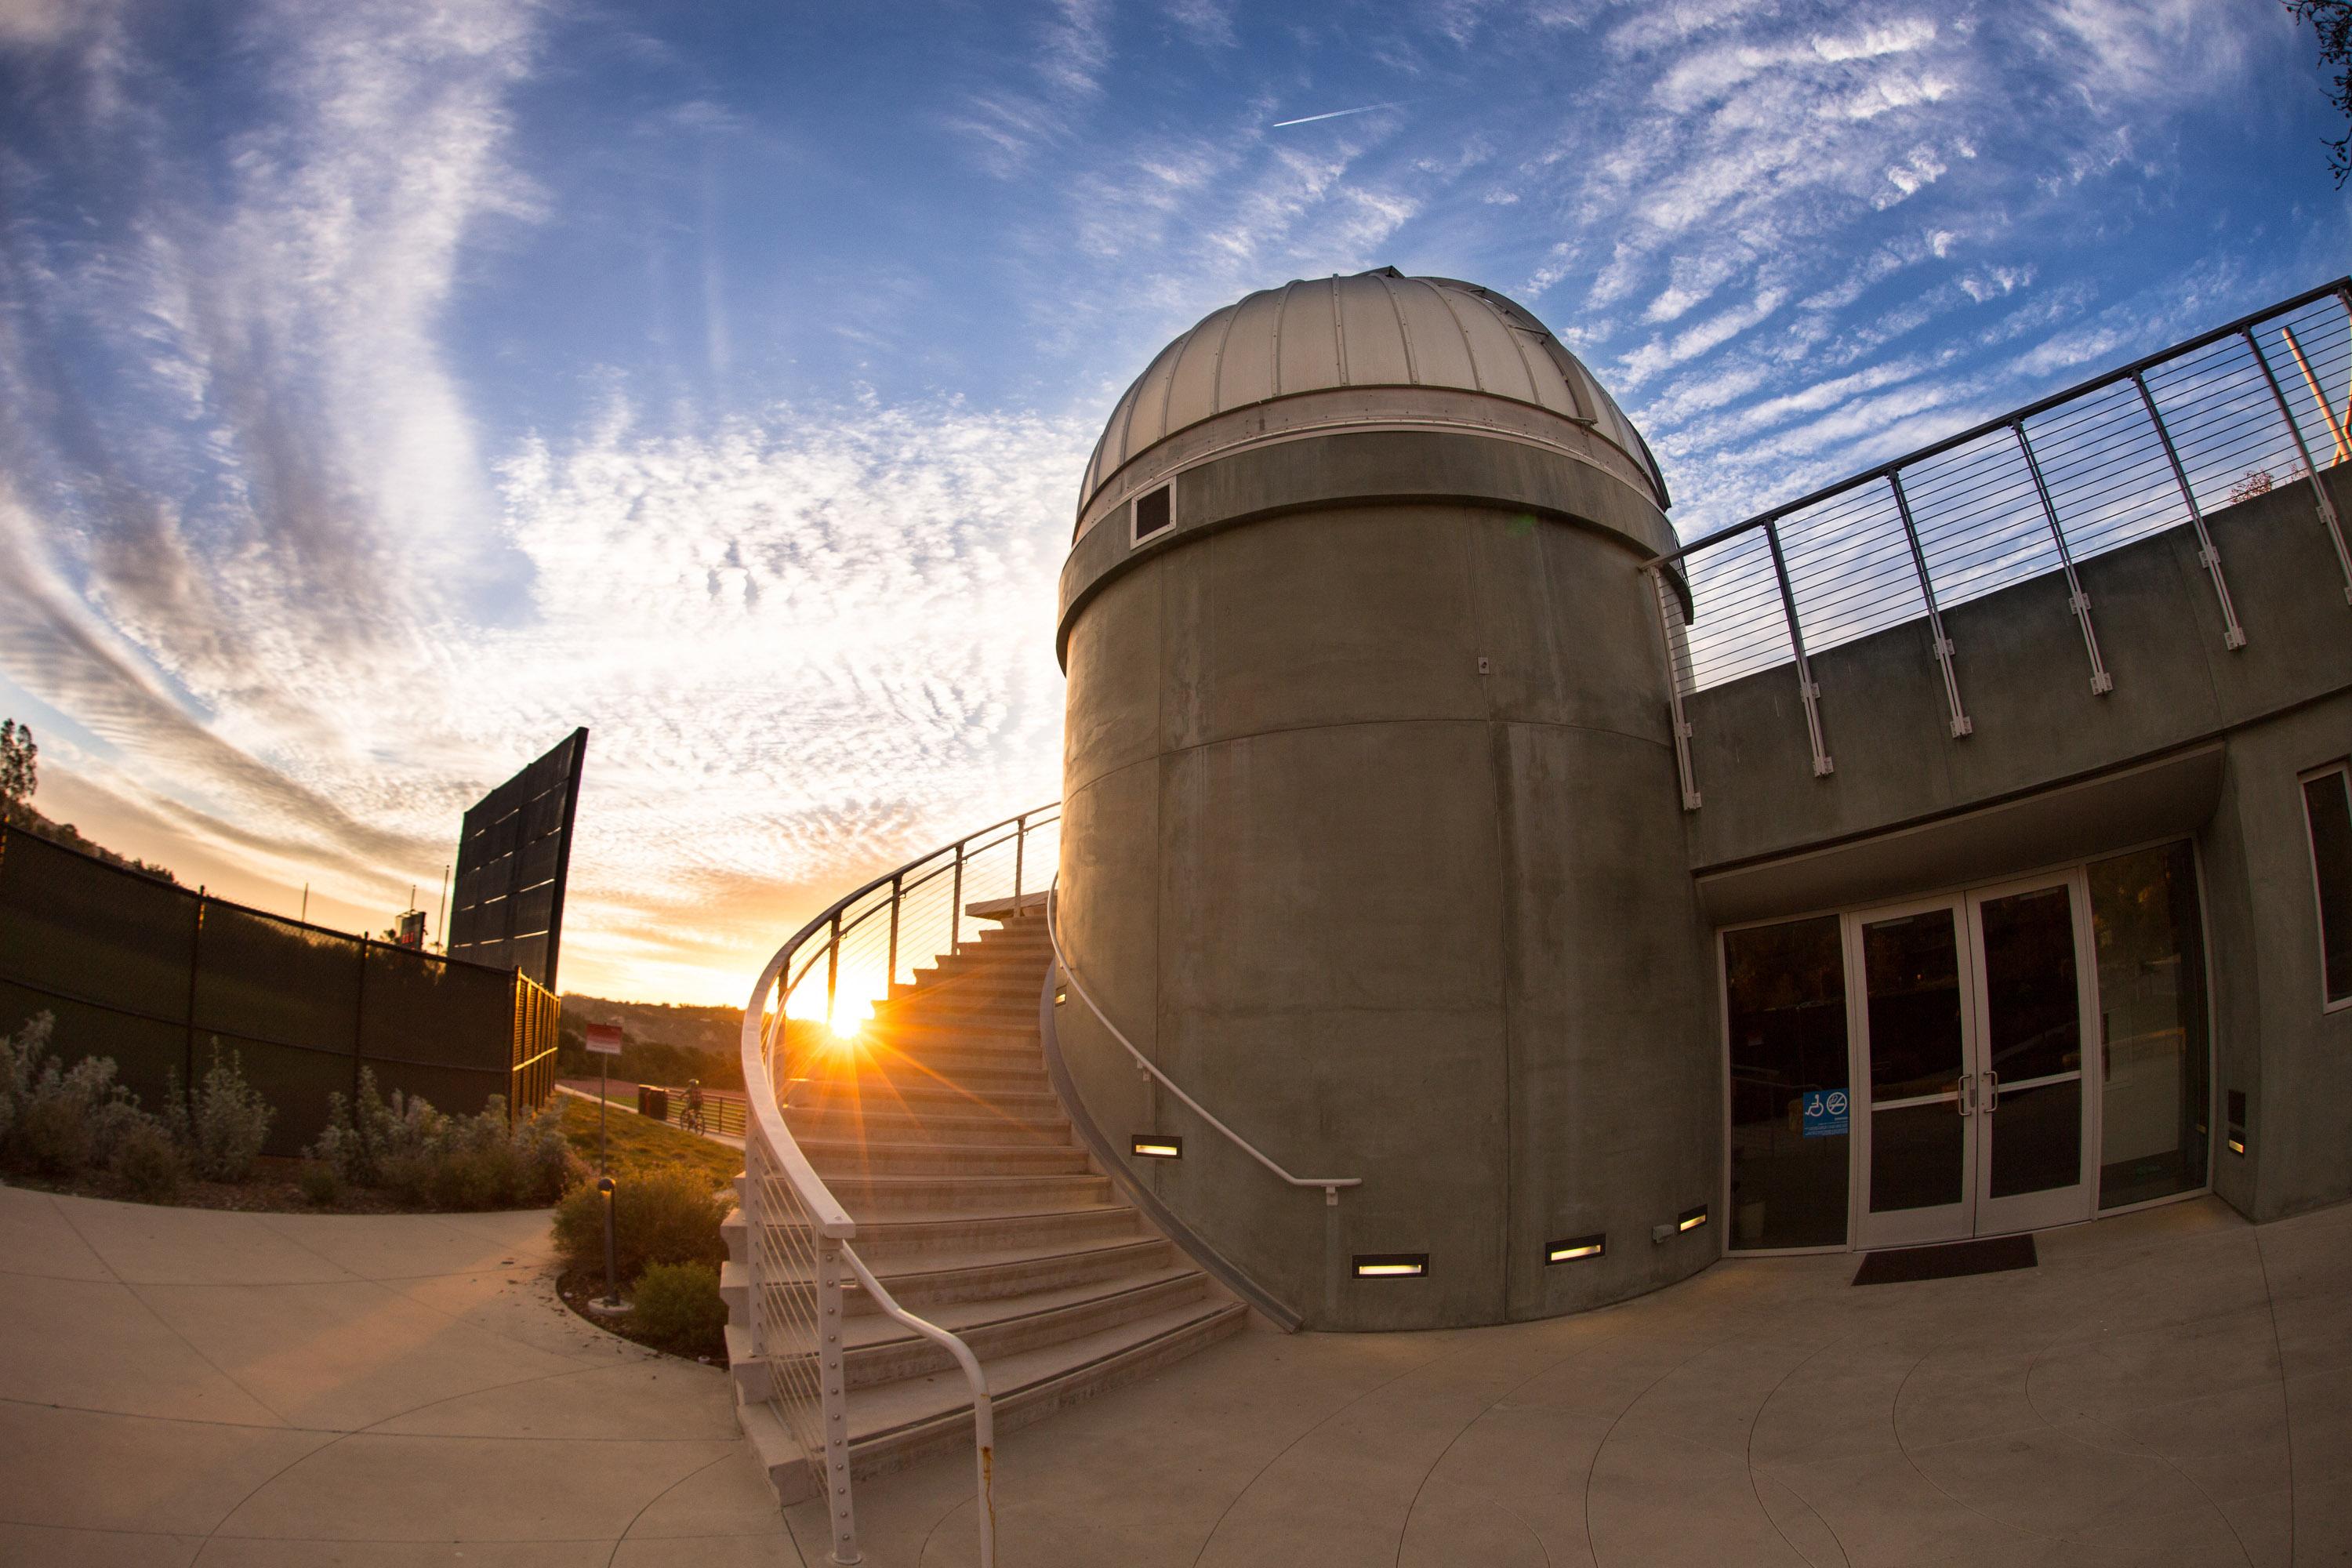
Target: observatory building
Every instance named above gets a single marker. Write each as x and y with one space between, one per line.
1515 910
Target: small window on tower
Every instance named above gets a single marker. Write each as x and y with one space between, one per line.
1151 513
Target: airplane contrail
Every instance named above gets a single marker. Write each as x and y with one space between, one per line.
1335 114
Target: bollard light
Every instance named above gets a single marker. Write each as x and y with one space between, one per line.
612 1270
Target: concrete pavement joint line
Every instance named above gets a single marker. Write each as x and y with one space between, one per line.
2211 1502
1911 1459
367 1431
1592 1467
1754 1420
657 1497
1405 1526
1275 1458
2286 1402
165 1323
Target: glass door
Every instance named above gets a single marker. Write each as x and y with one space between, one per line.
2031 958
1912 1020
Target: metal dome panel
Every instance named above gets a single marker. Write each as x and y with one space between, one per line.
1377 328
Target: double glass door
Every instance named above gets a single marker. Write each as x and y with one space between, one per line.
1972 1014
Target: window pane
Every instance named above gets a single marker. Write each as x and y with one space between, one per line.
2326 803
2034 1021
1911 973
2153 1085
1786 993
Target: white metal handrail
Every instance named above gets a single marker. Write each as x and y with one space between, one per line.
800 1232
1330 1184
2130 454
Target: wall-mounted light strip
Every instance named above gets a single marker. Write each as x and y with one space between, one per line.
1575 1247
1392 1265
1157 1146
1691 1218
2235 1130
1060 996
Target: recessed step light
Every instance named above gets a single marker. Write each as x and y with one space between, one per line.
1392 1265
1575 1247
1157 1146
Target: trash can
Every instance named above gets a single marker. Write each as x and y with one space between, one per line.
653 1102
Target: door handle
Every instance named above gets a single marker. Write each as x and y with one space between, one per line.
1991 1092
1961 1099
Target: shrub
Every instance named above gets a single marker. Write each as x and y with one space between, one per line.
61 1121
320 1185
148 1164
677 1307
224 1124
427 1158
663 1215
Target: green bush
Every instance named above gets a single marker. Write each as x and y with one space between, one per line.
321 1185
147 1164
430 1159
222 1126
60 1121
665 1216
677 1307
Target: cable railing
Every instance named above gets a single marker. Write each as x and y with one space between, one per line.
2145 448
803 1016
1330 1184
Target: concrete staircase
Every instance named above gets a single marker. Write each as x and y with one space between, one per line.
978 1210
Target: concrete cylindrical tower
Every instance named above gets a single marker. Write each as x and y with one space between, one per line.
1373 835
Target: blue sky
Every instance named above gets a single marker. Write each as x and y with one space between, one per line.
385 388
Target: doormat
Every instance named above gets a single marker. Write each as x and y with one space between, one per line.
1991 1256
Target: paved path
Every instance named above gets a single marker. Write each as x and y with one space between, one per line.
2170 1387
179 1387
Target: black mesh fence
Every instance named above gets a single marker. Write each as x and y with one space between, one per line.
158 977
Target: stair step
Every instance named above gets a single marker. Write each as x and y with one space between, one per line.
890 1352
897 1424
873 1193
847 1158
884 1120
928 1098
939 1282
913 1242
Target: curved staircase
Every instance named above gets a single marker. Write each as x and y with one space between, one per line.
976 1209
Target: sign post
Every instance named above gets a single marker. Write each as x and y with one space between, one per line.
604 1041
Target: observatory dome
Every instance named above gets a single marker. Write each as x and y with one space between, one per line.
1378 350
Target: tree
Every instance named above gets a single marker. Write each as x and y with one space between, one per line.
19 772
2332 20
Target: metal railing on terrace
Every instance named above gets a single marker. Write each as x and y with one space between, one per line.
802 1257
2142 450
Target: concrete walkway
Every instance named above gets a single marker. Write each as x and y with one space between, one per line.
2169 1387
183 1386
179 1387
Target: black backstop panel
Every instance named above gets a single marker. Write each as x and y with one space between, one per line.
511 858
154 975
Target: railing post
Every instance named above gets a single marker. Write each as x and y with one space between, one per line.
955 906
1961 725
1673 696
2310 468
754 1173
890 978
1822 766
2233 635
832 968
1020 845
2101 682
833 1389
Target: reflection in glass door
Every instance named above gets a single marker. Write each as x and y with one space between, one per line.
1972 1020
2031 1022
1918 1159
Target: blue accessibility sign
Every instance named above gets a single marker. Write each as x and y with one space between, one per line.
1826 1113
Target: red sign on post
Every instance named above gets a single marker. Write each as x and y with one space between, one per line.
605 1039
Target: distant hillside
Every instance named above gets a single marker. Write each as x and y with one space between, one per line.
661 1043
32 820
660 1022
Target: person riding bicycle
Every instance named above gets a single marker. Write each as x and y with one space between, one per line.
693 1120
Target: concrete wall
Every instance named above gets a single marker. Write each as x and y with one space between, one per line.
2278 706
1387 916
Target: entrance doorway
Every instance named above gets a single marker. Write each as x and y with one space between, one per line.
1972 1015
